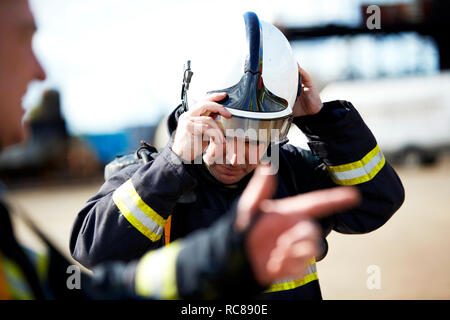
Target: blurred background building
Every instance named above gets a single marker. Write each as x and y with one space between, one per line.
114 71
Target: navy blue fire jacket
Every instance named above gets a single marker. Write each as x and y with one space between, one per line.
144 207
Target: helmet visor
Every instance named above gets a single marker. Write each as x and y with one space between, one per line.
262 130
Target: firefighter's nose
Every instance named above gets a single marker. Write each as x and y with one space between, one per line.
39 73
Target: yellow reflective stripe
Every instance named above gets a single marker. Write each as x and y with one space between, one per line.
156 273
42 266
135 222
137 212
292 284
365 178
359 171
18 287
143 206
356 164
40 261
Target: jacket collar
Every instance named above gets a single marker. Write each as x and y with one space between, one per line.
206 178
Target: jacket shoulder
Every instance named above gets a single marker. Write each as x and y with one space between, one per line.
143 154
296 154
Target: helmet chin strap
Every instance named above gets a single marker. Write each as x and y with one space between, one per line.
187 75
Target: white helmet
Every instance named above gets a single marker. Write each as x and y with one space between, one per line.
251 61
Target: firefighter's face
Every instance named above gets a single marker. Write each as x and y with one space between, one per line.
234 159
18 66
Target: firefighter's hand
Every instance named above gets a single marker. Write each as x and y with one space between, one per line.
284 238
309 102
197 128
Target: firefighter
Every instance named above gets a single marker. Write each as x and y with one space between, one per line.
192 182
241 241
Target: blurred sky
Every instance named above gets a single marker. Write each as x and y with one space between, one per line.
119 63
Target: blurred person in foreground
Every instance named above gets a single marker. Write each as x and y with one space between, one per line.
236 110
252 245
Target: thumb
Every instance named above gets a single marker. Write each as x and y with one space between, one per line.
262 186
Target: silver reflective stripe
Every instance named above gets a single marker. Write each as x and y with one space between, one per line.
359 172
137 212
311 269
141 216
289 284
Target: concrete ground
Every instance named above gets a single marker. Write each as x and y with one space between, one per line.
408 258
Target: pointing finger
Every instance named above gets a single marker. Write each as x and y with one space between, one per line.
315 204
261 186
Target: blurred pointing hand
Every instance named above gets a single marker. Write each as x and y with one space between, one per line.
284 238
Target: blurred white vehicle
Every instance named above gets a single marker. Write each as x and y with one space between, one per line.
410 116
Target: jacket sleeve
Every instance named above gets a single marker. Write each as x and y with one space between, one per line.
207 264
129 211
349 155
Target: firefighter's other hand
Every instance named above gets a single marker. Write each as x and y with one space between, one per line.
309 102
284 238
197 127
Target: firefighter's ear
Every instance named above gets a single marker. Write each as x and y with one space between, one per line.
262 186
